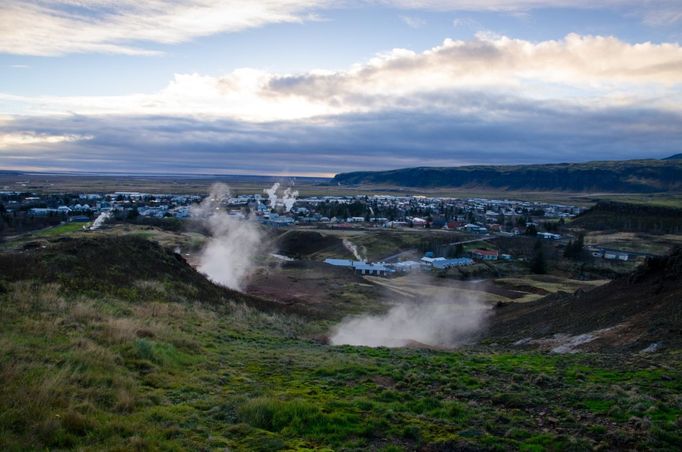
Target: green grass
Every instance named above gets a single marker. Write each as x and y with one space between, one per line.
62 229
108 373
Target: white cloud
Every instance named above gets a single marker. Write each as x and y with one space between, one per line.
589 70
10 140
413 21
56 27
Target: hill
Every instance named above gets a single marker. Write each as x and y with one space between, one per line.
619 216
674 157
117 344
126 267
636 176
633 312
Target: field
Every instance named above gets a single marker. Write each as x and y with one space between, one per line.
107 373
306 187
112 341
634 242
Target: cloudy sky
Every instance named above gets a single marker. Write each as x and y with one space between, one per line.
317 87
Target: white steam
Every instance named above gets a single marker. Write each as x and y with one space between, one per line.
272 194
99 221
441 322
229 257
289 198
350 246
286 199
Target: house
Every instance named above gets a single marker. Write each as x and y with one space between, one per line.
339 262
41 211
378 269
453 225
616 255
449 263
363 268
277 221
407 266
548 236
474 229
485 255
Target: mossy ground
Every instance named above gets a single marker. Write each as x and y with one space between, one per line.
110 373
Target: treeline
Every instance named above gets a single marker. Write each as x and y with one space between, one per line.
610 215
18 222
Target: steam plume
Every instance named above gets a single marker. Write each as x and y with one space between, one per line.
444 321
272 194
229 256
350 246
99 221
287 199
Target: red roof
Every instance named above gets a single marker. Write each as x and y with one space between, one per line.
485 252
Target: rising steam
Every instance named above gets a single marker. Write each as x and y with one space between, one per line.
286 200
444 321
350 246
229 257
272 194
99 221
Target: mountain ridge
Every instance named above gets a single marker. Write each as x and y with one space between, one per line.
635 176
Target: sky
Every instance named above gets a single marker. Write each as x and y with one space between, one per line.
319 87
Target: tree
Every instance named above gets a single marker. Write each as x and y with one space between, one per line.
575 250
538 264
133 213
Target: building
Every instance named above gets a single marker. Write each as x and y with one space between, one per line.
407 266
378 269
450 263
616 255
339 262
548 236
363 268
474 229
485 255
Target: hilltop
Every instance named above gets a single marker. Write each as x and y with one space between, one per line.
635 176
619 216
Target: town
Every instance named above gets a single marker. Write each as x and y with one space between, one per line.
478 218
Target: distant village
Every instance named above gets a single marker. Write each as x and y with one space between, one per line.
23 211
474 215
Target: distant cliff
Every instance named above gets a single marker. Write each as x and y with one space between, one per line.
636 176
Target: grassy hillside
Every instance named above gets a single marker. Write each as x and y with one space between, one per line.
638 176
627 217
629 313
103 348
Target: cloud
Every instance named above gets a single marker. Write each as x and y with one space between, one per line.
590 70
18 139
57 27
476 128
654 13
490 99
413 21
